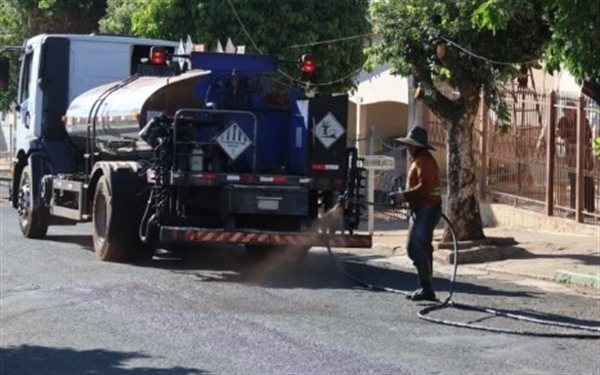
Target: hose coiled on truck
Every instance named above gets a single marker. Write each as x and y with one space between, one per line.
158 199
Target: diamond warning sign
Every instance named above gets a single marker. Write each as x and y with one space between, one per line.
328 130
234 141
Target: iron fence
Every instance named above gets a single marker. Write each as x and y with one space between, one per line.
530 166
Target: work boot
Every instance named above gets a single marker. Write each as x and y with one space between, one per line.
410 295
423 294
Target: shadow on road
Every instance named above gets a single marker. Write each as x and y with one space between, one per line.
317 271
585 259
33 359
207 263
83 240
230 263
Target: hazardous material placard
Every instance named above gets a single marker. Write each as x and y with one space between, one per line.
328 130
234 141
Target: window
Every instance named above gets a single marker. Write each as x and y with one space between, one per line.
25 77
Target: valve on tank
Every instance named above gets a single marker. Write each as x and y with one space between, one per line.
153 131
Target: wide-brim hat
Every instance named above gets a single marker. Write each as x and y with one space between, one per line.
416 137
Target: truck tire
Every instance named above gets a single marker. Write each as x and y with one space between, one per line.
33 223
115 233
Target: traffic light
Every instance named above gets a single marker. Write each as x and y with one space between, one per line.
308 67
308 64
158 55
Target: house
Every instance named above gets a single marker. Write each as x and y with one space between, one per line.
380 101
384 102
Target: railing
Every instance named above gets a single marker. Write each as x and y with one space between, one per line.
385 180
516 168
530 167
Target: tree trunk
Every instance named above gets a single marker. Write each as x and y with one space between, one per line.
462 204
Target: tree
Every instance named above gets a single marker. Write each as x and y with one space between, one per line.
118 16
286 29
21 19
575 41
438 43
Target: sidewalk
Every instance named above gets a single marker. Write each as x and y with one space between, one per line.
549 258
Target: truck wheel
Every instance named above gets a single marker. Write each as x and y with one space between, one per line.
142 252
33 224
115 233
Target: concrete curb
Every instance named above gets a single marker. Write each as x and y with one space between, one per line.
581 279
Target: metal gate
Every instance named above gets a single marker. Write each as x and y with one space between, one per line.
388 180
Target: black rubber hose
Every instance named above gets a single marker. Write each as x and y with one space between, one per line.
447 303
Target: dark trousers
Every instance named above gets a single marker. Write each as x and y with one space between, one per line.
588 192
420 238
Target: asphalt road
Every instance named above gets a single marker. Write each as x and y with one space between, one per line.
64 312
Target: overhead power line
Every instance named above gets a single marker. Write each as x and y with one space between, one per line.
467 51
329 41
243 27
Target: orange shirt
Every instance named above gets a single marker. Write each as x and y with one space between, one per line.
423 183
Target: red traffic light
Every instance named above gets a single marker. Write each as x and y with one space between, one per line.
158 55
308 64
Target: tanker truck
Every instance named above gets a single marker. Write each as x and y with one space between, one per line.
160 148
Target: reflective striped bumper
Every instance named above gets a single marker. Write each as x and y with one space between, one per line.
171 235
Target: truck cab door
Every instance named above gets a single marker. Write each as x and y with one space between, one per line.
28 125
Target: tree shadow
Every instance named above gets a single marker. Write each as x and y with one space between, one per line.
271 273
33 359
230 263
321 270
85 241
515 252
407 280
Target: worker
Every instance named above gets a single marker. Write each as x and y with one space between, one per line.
423 197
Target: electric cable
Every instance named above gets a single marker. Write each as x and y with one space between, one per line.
483 58
330 41
244 28
449 303
292 79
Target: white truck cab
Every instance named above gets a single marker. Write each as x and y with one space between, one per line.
55 69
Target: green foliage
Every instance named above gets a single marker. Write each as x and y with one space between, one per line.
269 27
597 146
11 24
440 43
118 16
575 38
21 19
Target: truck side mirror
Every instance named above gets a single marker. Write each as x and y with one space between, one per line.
4 73
14 105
